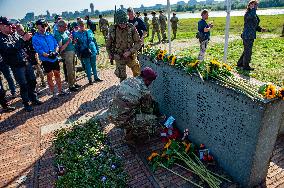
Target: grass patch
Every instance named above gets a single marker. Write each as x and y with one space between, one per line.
267 58
87 158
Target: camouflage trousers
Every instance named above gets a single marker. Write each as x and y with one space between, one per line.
174 32
141 128
154 31
203 46
120 70
163 31
105 33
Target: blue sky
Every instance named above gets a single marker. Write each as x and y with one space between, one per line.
18 8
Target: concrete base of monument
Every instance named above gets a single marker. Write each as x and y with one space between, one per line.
239 131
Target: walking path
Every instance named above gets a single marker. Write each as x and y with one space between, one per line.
26 155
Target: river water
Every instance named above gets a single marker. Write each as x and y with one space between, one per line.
220 14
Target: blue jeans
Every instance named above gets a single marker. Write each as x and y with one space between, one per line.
5 69
26 79
91 65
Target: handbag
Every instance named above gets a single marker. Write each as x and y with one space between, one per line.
86 52
200 36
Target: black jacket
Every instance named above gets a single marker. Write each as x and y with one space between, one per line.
12 50
251 24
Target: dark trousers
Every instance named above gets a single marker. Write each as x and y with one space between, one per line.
26 79
3 101
5 69
246 55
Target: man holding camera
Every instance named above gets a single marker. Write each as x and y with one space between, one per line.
12 52
67 51
47 48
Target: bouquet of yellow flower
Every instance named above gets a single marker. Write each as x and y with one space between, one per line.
268 91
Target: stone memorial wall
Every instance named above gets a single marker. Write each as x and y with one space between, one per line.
239 132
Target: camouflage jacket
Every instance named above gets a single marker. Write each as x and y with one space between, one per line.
155 23
163 20
146 21
126 39
133 97
103 24
174 21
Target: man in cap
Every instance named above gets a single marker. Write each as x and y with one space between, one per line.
47 48
55 26
122 45
156 27
163 23
138 23
12 52
103 25
133 107
174 21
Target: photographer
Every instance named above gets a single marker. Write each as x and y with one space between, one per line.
67 51
203 34
47 48
87 49
12 51
30 51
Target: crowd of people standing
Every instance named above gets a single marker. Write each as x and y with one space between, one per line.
26 54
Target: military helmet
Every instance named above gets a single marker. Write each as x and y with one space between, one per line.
120 17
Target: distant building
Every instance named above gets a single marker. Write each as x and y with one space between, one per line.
65 14
48 17
181 3
30 16
209 2
92 8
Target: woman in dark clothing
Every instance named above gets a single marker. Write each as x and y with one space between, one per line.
251 25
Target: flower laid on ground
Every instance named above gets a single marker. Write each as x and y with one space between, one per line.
182 154
88 161
269 91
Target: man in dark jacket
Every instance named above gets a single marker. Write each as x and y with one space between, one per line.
12 51
251 25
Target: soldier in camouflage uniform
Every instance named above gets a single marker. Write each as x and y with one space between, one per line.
103 25
163 24
133 107
122 45
156 27
174 20
146 21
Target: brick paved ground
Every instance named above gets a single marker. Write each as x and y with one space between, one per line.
26 156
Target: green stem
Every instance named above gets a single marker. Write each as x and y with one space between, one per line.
186 179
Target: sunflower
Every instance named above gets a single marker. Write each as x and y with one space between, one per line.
215 63
168 144
229 68
164 52
271 91
173 60
153 155
281 93
163 154
160 56
194 64
161 51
